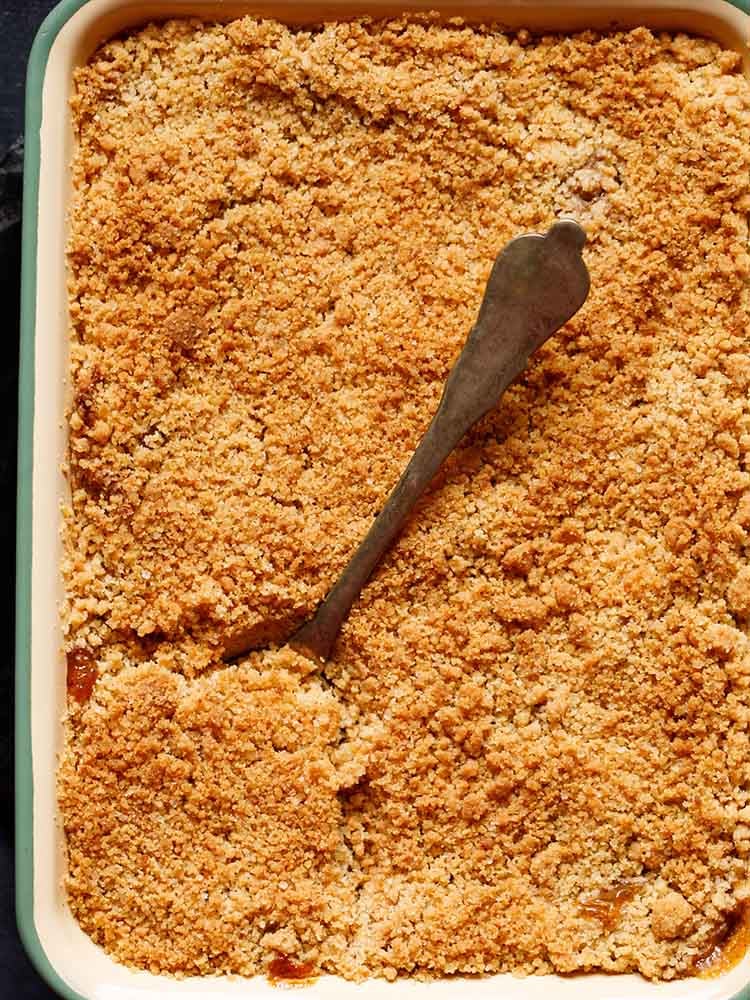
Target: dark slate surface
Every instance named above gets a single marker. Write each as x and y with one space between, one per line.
19 20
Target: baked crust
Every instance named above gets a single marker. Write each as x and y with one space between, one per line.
534 756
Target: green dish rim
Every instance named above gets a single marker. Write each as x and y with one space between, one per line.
24 801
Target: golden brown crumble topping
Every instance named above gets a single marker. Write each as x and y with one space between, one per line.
530 752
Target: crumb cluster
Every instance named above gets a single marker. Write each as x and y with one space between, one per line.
530 750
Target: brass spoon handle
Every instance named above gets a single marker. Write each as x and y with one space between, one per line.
537 283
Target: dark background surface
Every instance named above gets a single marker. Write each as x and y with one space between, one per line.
19 20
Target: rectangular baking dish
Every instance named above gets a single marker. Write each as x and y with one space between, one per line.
69 961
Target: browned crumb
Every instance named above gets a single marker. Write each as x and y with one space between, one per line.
534 757
205 815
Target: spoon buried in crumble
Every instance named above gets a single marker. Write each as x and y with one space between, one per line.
537 284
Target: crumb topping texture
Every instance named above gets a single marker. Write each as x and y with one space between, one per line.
530 750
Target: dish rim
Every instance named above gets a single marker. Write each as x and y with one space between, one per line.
44 41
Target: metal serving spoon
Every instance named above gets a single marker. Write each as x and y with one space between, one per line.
537 283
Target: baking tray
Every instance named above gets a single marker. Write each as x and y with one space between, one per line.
70 962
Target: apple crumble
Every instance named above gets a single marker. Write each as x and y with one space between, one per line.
529 752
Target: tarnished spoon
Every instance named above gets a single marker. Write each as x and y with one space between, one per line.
537 283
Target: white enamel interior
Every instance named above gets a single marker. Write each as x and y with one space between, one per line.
79 962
